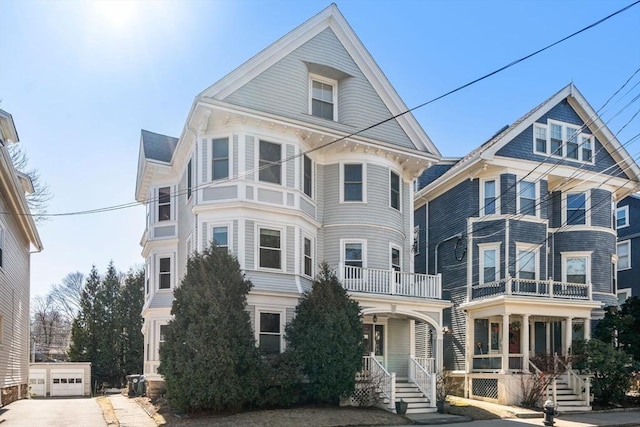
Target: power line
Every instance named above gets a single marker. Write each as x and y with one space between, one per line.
459 88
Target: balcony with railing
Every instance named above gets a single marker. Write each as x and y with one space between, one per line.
390 282
532 288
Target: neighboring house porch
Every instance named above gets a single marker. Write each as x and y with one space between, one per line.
511 322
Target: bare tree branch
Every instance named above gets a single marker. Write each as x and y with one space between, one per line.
38 200
66 296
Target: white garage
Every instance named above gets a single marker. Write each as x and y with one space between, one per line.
60 379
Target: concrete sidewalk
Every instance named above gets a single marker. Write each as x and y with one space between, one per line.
129 413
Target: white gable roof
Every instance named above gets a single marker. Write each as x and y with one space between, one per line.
333 19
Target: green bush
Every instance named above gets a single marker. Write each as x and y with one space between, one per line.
281 382
209 358
325 338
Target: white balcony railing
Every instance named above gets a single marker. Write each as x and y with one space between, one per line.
533 288
390 282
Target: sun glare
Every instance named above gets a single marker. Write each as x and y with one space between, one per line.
116 13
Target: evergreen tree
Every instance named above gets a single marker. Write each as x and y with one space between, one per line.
621 327
130 308
325 337
209 358
106 362
84 341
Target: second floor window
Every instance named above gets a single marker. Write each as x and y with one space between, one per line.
526 264
489 270
164 273
575 269
623 250
395 259
308 176
353 254
270 162
189 179
527 198
219 159
576 209
395 190
270 249
308 258
164 204
353 183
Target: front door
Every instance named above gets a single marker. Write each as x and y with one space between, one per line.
373 340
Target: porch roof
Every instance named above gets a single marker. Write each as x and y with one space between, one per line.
532 306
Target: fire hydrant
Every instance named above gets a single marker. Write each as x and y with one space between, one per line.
550 411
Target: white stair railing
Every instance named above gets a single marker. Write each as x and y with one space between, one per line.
386 381
579 386
425 381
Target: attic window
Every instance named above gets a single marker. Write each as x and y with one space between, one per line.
562 140
323 96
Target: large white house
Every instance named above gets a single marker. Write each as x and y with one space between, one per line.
18 238
268 165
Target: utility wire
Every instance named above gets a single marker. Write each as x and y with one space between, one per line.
459 88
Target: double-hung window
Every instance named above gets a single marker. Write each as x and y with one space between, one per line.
220 236
563 140
526 264
270 333
576 209
489 197
394 193
353 183
489 263
353 254
270 162
323 98
623 250
576 268
308 257
164 204
540 135
556 140
527 198
587 150
396 262
622 217
189 179
572 142
219 158
308 176
162 336
164 273
270 249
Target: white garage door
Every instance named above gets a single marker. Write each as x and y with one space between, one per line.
68 382
37 382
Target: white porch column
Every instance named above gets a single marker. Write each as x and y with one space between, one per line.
568 335
505 343
439 350
587 328
548 351
532 338
471 345
525 342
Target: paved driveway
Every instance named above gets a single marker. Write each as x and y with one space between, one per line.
52 413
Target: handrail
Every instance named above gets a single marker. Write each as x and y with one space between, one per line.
425 381
536 288
579 386
387 381
390 282
539 372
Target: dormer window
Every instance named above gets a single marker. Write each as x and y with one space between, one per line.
563 140
323 97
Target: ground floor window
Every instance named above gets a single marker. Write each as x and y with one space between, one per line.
270 333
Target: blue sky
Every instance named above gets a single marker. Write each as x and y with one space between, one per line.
82 78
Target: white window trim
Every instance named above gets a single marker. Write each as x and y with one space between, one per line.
229 225
328 81
313 179
399 189
364 182
624 209
482 191
313 255
257 161
587 208
628 244
157 340
536 200
283 239
482 247
189 188
625 291
581 254
172 208
528 248
147 278
172 276
416 240
579 137
275 310
343 242
399 248
209 159
1 329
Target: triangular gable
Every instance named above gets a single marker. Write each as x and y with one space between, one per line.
330 18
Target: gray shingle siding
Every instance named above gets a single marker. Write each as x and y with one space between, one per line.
508 194
454 342
630 278
521 146
284 89
601 215
555 220
432 173
533 233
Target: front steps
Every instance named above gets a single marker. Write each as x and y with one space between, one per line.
567 401
410 393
